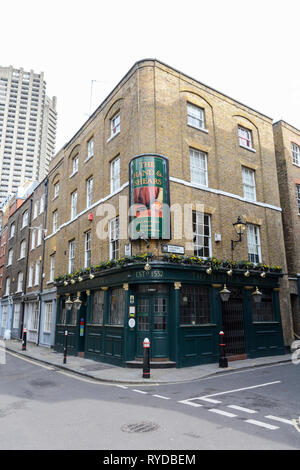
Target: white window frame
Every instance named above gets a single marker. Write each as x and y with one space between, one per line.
115 125
249 186
114 240
52 268
245 137
74 204
17 311
37 273
296 154
12 230
195 116
23 249
10 257
42 204
75 165
30 276
33 240
71 255
198 167
39 237
20 281
87 249
56 189
54 221
24 219
90 148
7 286
254 246
202 234
89 192
35 210
48 317
115 174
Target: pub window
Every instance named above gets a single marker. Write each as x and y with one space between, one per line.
263 311
117 307
194 305
98 308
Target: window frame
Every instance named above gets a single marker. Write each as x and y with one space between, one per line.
90 148
115 175
48 317
208 246
193 116
115 128
75 161
256 244
296 154
89 191
74 197
249 187
22 249
196 154
114 238
87 249
20 281
52 268
242 138
71 259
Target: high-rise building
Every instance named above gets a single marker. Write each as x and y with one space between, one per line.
27 128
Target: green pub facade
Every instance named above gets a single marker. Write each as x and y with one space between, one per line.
171 299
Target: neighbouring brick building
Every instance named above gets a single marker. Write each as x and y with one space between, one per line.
287 148
162 137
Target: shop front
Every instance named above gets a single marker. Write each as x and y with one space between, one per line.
177 307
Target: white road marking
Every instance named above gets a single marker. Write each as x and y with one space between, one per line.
160 396
210 400
282 420
205 397
140 391
224 413
241 408
121 386
261 424
189 402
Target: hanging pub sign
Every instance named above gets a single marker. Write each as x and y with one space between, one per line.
149 199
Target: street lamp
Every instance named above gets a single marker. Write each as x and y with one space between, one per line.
225 294
239 227
256 295
77 302
68 304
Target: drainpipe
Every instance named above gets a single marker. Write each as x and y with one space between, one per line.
43 258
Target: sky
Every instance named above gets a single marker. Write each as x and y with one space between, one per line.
246 50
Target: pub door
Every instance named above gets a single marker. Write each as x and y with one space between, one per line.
233 323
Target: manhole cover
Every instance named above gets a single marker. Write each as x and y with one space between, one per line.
144 426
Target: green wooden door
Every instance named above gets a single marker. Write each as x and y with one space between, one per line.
152 323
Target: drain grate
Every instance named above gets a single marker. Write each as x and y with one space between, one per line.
144 426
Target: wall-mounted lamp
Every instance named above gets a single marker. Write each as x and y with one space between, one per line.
256 295
239 227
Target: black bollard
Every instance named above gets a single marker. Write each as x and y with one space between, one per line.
65 346
223 362
146 363
24 341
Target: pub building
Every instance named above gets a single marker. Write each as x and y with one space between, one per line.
177 298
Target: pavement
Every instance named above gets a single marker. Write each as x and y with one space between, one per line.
123 375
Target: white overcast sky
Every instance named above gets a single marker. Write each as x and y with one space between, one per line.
247 50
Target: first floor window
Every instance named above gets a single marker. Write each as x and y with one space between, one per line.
52 267
245 137
71 255
117 307
16 321
198 167
37 273
114 242
7 286
30 276
249 184
89 192
194 305
202 236
87 249
298 197
98 307
254 249
54 221
48 317
20 282
73 205
263 311
115 174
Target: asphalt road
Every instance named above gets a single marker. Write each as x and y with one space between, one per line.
43 407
